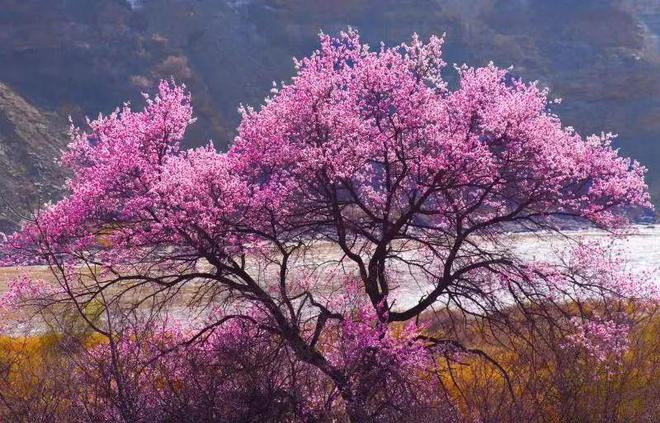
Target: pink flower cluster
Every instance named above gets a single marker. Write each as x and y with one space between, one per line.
602 340
379 358
25 290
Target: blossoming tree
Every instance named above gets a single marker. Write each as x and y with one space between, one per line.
410 186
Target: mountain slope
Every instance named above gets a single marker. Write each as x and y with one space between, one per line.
82 57
30 141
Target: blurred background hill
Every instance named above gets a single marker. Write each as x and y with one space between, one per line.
82 57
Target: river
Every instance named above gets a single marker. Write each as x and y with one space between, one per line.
641 250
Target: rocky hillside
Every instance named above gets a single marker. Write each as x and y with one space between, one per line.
82 57
30 141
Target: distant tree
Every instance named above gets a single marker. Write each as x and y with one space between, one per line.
368 155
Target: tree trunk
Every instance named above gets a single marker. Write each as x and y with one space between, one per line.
355 412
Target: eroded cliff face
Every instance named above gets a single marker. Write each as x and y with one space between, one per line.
30 142
82 57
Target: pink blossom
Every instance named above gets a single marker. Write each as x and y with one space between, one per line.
601 340
371 152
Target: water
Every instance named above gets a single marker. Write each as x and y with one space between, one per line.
641 250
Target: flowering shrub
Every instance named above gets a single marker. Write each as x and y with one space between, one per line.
238 374
601 340
24 290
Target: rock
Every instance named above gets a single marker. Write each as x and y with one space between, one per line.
30 143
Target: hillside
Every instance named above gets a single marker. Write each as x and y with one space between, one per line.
82 57
30 141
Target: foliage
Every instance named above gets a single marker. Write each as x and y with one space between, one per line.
234 377
552 383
